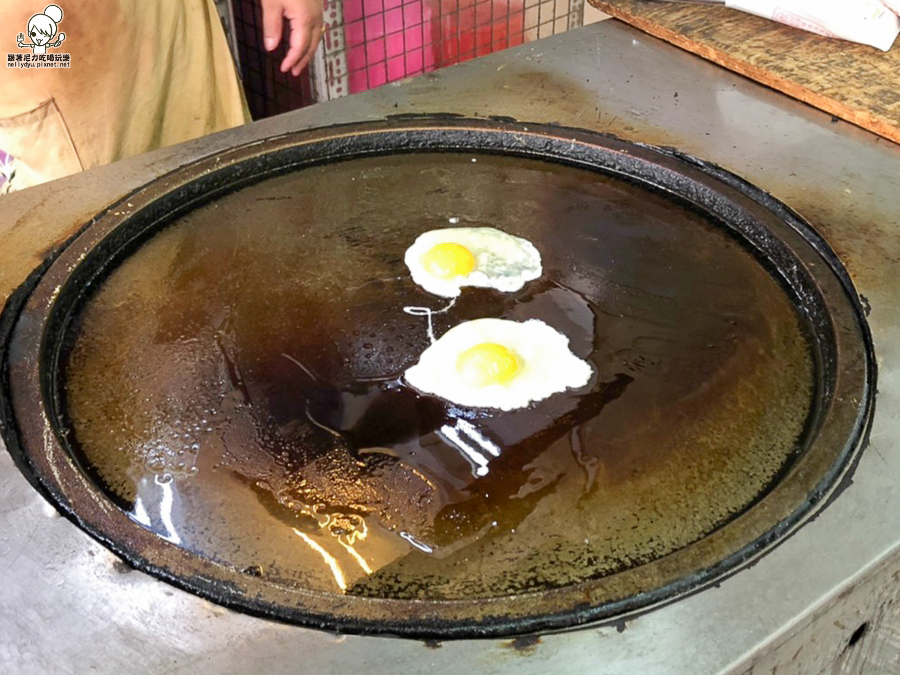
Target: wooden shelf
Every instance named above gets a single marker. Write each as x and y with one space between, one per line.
857 83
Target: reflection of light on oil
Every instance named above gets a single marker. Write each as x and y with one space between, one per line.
140 513
356 556
415 542
476 458
360 531
472 432
322 519
346 539
165 507
328 558
454 436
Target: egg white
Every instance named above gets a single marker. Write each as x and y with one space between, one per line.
546 364
502 261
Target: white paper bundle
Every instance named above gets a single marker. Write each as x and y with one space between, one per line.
869 22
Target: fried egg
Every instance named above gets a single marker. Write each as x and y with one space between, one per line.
443 261
497 363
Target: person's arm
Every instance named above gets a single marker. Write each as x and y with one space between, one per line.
306 26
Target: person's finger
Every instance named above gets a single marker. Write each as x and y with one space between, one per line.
301 36
273 19
310 52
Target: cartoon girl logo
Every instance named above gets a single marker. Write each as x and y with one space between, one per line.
42 29
7 172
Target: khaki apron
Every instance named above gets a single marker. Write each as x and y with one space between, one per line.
142 75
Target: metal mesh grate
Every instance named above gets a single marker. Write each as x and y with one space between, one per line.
268 91
368 43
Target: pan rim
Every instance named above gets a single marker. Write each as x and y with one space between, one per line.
41 293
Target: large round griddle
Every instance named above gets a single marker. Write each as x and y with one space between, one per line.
733 380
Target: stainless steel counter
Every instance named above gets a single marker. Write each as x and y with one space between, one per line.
67 605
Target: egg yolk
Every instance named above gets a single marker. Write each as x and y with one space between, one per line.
487 363
449 260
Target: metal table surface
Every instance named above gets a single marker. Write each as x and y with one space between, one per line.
67 605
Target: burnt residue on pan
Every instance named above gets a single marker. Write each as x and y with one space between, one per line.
224 367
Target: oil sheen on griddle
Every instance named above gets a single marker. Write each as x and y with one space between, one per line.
236 384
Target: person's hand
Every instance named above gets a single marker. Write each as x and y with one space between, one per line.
305 19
